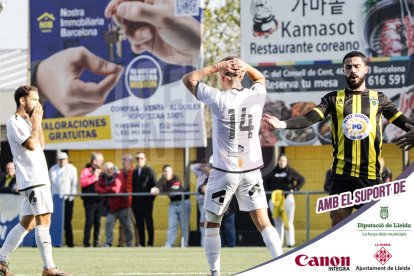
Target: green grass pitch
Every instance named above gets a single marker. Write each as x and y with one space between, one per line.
137 261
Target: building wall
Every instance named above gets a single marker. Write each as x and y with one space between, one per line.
156 158
311 161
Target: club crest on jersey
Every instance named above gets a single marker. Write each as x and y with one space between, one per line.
356 126
339 101
373 100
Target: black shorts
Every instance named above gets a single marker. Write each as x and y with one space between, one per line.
345 183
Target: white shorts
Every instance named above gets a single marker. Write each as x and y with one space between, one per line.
248 188
36 201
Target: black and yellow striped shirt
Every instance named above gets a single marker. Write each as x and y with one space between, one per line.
357 130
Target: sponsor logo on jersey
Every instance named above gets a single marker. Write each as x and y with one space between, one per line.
240 152
356 126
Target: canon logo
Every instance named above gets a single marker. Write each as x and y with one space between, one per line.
304 260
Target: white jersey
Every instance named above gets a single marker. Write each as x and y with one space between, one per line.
31 166
236 121
64 180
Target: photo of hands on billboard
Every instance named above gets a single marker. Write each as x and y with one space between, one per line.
122 60
299 46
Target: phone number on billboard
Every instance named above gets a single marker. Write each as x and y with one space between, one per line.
390 80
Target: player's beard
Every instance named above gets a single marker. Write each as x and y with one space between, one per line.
355 85
29 111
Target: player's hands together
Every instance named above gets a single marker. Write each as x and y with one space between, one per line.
273 122
151 25
59 80
406 141
37 115
239 66
233 67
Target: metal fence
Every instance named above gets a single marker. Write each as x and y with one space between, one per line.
306 194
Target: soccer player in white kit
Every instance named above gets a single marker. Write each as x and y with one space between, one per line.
237 156
25 135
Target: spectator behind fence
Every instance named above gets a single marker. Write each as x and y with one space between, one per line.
386 173
170 183
143 181
112 182
92 205
8 180
127 171
285 178
202 170
64 179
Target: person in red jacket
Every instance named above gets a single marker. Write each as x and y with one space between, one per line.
93 205
112 182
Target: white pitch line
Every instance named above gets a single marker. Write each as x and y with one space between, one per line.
168 273
140 273
163 273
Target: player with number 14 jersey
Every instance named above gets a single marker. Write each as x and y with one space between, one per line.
236 118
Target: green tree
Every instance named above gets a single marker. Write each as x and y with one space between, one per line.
221 30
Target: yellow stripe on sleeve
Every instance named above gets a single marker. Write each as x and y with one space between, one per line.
319 112
398 114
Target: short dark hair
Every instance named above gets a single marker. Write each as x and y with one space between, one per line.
355 54
228 58
166 166
23 91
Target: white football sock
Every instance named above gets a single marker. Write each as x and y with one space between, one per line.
272 240
212 246
203 232
44 243
14 238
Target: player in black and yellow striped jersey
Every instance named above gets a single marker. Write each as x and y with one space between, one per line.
356 114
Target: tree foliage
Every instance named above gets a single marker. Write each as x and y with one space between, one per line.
221 38
221 30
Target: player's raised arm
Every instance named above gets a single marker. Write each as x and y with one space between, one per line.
253 74
226 68
191 79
